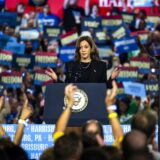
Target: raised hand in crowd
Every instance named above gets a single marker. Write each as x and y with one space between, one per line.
64 117
115 72
112 115
51 73
26 112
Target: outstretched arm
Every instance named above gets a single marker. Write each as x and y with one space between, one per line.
64 117
112 115
26 112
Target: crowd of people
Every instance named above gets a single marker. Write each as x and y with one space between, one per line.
27 101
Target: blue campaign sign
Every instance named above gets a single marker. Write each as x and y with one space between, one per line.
126 45
37 138
129 18
120 32
16 48
29 34
27 61
4 39
91 23
67 53
134 89
8 18
142 3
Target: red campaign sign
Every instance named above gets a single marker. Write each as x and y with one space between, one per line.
104 5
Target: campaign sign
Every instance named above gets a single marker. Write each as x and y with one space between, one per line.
4 39
142 35
67 53
151 87
41 78
27 61
29 34
52 32
120 32
91 23
69 38
111 22
152 21
142 3
38 137
120 91
129 18
143 63
5 58
8 18
100 37
126 45
45 59
12 79
16 48
105 51
128 74
134 89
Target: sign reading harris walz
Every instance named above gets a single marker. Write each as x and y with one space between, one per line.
45 59
111 22
11 80
26 61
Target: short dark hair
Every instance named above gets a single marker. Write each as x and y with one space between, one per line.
94 50
145 121
68 146
97 123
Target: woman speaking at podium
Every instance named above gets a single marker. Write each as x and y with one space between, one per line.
86 67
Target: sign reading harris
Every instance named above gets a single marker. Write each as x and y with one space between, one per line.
52 32
126 45
152 20
29 34
105 52
143 63
11 79
69 38
129 18
91 23
110 22
120 32
67 53
142 35
45 59
41 78
5 58
8 18
151 87
128 74
26 61
100 37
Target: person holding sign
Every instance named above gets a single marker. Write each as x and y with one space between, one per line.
87 67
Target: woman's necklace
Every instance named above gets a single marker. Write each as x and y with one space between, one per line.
85 67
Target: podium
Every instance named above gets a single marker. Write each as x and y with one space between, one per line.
92 107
